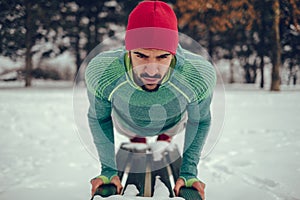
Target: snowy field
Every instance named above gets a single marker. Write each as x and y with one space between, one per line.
42 157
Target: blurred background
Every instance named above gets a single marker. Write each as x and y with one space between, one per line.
45 143
251 41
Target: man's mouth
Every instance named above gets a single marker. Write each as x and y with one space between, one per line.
150 81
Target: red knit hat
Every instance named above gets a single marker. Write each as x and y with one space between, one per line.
152 24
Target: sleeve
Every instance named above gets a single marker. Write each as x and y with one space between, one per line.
198 123
100 123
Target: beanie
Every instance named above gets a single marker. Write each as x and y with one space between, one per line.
152 24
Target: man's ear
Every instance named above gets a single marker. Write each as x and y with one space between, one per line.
129 57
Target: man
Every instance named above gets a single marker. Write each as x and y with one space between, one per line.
152 87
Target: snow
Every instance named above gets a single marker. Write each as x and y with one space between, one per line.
256 157
7 64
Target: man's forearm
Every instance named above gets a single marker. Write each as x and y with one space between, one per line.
103 137
101 127
194 142
197 129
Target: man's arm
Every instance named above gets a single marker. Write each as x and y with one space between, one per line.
197 128
100 123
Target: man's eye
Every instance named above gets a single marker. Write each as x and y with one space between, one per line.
140 56
162 57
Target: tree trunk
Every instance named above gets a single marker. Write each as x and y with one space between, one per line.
231 76
254 69
210 43
77 51
262 72
248 77
28 43
262 46
276 60
78 59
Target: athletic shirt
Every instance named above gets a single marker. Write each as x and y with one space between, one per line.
187 87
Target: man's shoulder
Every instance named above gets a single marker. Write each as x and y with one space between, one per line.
196 59
197 75
106 58
103 70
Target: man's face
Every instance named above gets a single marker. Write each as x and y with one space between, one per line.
150 67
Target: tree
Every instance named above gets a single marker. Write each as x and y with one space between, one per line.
250 30
26 23
286 29
12 29
276 53
272 25
290 37
220 26
87 22
262 28
29 26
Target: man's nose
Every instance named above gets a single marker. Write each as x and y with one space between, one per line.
151 69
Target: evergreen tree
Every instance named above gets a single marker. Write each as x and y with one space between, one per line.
290 37
86 23
26 23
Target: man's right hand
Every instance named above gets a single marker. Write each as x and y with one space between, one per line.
97 182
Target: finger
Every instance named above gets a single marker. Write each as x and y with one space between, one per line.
199 186
95 184
116 181
94 188
178 185
118 186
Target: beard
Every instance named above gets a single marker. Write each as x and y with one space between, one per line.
140 83
150 90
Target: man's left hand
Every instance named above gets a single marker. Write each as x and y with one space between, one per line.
198 185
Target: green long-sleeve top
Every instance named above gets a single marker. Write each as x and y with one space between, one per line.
187 87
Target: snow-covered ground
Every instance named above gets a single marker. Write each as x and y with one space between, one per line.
42 157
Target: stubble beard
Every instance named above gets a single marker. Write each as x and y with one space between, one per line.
145 87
